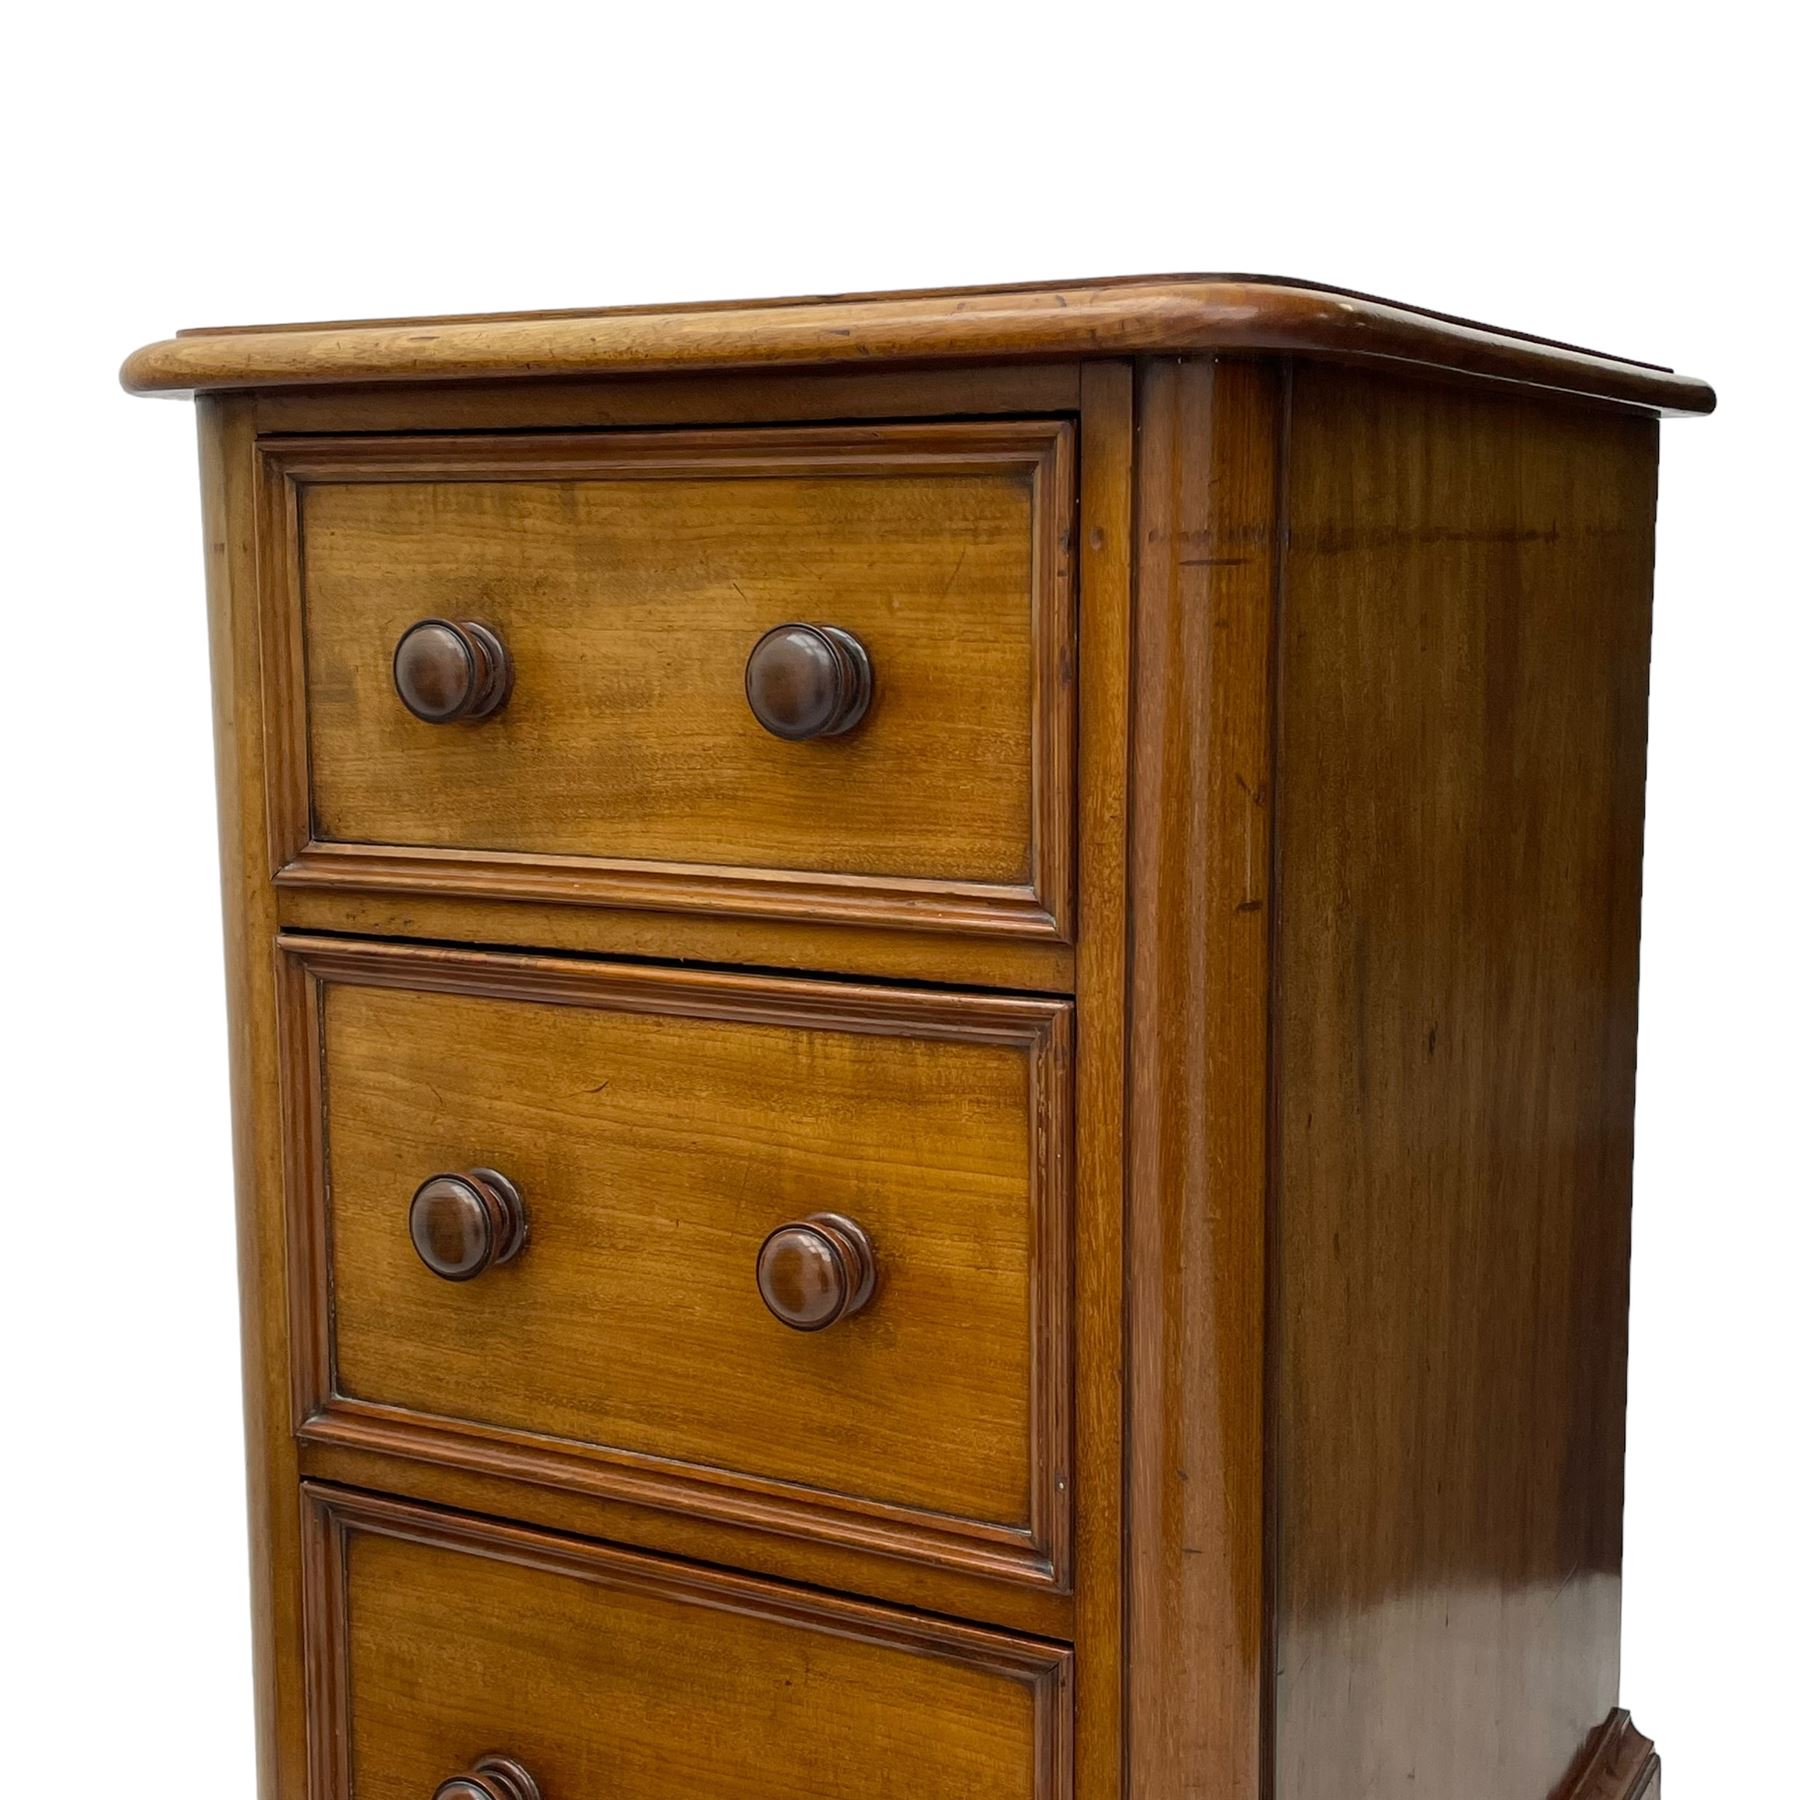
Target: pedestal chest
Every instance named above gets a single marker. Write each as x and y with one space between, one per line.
932 1005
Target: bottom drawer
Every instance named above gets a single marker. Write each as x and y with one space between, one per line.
436 1640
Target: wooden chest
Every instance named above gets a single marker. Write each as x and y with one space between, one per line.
933 1009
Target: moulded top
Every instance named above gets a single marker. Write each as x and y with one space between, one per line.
1137 315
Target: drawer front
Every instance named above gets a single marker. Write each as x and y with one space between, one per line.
626 579
439 1640
658 1127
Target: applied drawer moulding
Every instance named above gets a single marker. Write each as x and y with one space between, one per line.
1039 908
334 1519
1034 1552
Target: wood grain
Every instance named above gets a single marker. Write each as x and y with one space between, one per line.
1108 423
629 578
1029 964
778 397
434 1639
659 1126
1464 653
1207 509
227 487
1170 315
1246 1351
814 1561
1623 1765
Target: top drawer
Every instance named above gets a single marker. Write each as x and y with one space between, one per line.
627 578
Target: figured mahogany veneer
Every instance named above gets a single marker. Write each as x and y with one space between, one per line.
606 1672
660 1127
593 741
932 1029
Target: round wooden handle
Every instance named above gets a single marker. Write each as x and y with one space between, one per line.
463 1224
450 669
808 681
492 1778
816 1271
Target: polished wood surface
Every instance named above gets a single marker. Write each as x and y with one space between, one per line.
625 763
606 1672
1161 315
465 1224
816 1271
1030 965
247 905
1190 1273
1207 504
492 1778
450 669
808 681
709 398
1465 641
1623 1765
646 1520
1108 421
660 1126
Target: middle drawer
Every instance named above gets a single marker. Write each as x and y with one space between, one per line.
537 1214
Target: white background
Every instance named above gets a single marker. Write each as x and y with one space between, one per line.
1622 176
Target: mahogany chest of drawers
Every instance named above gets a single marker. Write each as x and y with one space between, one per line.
932 1005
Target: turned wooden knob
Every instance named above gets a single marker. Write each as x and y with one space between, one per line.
449 669
463 1224
808 681
492 1778
816 1271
